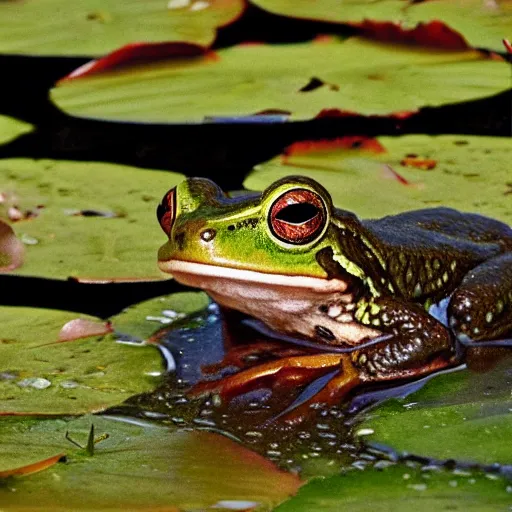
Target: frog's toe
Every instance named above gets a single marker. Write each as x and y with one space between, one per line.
290 371
331 394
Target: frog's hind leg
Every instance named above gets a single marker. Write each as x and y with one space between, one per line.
481 307
480 311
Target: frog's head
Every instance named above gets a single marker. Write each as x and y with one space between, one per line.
268 255
273 236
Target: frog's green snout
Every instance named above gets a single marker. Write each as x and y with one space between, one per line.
166 211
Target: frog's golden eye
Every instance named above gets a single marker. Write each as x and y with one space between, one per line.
297 217
166 211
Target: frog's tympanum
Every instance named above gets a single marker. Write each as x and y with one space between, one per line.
388 299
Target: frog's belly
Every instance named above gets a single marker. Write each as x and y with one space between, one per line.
319 309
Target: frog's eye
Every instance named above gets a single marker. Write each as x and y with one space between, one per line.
298 216
166 211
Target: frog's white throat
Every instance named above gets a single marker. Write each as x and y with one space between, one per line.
285 303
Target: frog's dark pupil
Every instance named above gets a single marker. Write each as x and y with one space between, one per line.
298 213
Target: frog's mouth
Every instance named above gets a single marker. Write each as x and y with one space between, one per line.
311 307
216 278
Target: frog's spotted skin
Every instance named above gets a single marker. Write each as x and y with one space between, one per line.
305 268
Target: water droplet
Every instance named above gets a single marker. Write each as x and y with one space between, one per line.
199 6
68 384
365 432
177 4
418 487
34 382
28 240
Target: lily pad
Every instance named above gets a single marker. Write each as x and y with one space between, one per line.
482 24
139 467
142 320
355 75
39 375
459 416
11 128
469 173
58 27
62 243
400 488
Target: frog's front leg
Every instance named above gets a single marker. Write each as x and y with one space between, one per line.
481 307
417 345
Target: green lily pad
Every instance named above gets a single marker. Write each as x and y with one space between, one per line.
483 24
400 488
459 416
139 467
470 174
39 375
144 319
92 27
355 75
11 128
66 239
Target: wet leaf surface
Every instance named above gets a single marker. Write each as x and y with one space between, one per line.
374 79
400 489
140 466
461 416
96 28
40 376
62 245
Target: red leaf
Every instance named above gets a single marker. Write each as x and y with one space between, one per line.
81 328
434 33
108 280
426 164
508 45
32 468
137 53
12 250
389 172
335 112
354 142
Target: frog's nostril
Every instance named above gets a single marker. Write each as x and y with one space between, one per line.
166 211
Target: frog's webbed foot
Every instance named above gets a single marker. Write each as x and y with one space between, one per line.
289 371
481 307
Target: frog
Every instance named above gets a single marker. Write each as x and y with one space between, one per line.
387 299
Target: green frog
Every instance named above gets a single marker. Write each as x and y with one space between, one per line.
386 299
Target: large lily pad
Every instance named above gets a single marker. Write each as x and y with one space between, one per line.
39 375
482 24
459 416
355 75
400 489
66 238
469 173
139 467
92 27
